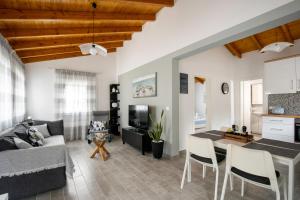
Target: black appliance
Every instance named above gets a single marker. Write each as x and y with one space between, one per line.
297 130
139 116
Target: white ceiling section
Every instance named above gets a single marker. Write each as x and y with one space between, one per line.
189 21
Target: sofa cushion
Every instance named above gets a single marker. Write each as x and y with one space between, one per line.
54 141
52 155
54 127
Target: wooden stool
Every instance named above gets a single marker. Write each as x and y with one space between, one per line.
100 149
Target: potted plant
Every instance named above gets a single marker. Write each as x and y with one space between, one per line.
155 134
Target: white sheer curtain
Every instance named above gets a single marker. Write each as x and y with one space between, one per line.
12 87
75 101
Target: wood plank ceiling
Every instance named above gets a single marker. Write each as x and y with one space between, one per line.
40 30
287 32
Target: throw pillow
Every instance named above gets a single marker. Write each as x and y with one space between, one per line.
21 144
21 131
56 127
99 125
7 143
43 129
36 137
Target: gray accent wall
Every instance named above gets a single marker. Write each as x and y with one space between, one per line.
164 98
290 102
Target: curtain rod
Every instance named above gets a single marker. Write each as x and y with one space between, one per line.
67 68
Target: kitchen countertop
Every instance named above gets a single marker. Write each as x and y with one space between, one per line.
286 116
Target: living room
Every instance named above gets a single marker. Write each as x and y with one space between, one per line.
98 99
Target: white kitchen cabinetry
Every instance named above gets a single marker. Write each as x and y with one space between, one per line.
279 128
298 73
280 76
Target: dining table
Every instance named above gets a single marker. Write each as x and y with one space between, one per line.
282 152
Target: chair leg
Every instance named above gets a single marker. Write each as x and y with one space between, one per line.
231 181
189 171
224 186
277 194
243 188
216 184
184 174
285 188
204 171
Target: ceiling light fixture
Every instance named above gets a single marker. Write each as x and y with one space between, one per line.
276 46
92 48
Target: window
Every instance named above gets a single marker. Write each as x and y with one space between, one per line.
12 87
75 101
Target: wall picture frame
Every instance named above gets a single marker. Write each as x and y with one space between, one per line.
145 86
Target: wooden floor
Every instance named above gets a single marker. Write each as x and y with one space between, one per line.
129 175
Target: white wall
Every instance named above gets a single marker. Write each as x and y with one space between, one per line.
41 79
189 21
217 65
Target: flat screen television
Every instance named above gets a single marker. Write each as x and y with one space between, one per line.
139 116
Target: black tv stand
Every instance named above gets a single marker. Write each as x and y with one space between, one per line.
137 138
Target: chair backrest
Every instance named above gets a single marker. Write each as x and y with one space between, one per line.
202 147
256 162
101 116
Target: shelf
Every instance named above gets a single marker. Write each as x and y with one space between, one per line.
115 101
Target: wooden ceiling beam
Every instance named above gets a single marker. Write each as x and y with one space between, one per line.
61 49
256 42
14 33
286 33
167 3
14 14
42 42
233 50
57 56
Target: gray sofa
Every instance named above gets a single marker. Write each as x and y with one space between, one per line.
27 172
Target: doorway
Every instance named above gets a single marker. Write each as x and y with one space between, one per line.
200 115
252 105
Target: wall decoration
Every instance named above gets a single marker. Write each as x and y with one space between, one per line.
144 86
184 83
225 88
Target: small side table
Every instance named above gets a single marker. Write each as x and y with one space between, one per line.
99 141
4 196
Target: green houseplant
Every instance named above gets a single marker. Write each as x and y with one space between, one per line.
155 134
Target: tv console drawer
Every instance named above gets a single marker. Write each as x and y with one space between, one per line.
139 140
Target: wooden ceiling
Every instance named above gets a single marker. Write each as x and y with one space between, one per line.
40 30
287 32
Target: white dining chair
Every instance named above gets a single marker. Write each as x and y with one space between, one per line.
255 167
202 151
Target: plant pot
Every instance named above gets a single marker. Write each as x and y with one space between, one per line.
157 148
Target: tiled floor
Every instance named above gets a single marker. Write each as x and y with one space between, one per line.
129 175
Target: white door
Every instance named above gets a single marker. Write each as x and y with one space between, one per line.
298 72
280 76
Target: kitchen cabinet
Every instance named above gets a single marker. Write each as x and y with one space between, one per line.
298 73
280 76
279 128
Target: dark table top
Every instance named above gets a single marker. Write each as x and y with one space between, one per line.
274 150
279 148
286 145
213 137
